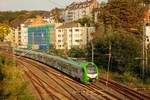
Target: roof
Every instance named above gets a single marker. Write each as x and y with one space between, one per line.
78 5
69 25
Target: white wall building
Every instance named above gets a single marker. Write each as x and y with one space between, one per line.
14 37
69 36
78 10
10 37
23 32
147 32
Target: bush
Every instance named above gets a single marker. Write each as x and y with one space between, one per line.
13 87
124 50
77 53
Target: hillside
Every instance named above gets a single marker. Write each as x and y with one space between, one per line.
15 18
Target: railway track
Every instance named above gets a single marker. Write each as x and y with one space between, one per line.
124 90
39 83
30 73
78 91
83 91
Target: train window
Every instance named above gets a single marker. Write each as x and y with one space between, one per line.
75 69
91 69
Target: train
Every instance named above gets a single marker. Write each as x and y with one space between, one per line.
85 72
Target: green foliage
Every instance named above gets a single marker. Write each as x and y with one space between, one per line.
123 15
4 30
14 19
77 53
86 20
56 52
125 48
13 87
56 13
121 26
146 1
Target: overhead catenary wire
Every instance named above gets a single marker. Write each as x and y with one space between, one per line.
63 6
57 4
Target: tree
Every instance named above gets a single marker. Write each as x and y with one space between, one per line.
12 86
122 26
86 20
4 30
77 53
56 14
14 19
125 50
123 15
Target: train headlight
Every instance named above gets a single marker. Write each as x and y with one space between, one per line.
92 75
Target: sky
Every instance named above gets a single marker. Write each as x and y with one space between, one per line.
15 5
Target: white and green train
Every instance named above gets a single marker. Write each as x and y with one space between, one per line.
84 71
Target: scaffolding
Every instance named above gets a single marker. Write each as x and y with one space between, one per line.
39 37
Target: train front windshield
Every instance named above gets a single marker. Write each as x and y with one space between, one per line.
91 69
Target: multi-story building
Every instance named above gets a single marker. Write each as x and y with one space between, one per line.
70 35
147 26
23 34
39 34
147 34
39 37
10 37
17 37
78 10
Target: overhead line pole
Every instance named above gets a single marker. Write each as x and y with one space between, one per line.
109 60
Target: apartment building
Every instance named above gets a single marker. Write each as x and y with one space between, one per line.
23 34
147 26
17 37
78 10
71 34
10 37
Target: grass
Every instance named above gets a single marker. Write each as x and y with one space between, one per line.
129 79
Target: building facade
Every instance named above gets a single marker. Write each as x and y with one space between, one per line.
23 36
10 37
147 33
78 10
39 37
73 35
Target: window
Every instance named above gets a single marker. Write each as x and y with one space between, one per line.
91 69
59 35
77 30
59 40
147 40
70 30
59 30
77 40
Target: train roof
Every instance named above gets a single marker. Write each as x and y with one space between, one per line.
68 61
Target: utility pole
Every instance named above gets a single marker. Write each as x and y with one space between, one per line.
91 42
143 60
109 60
